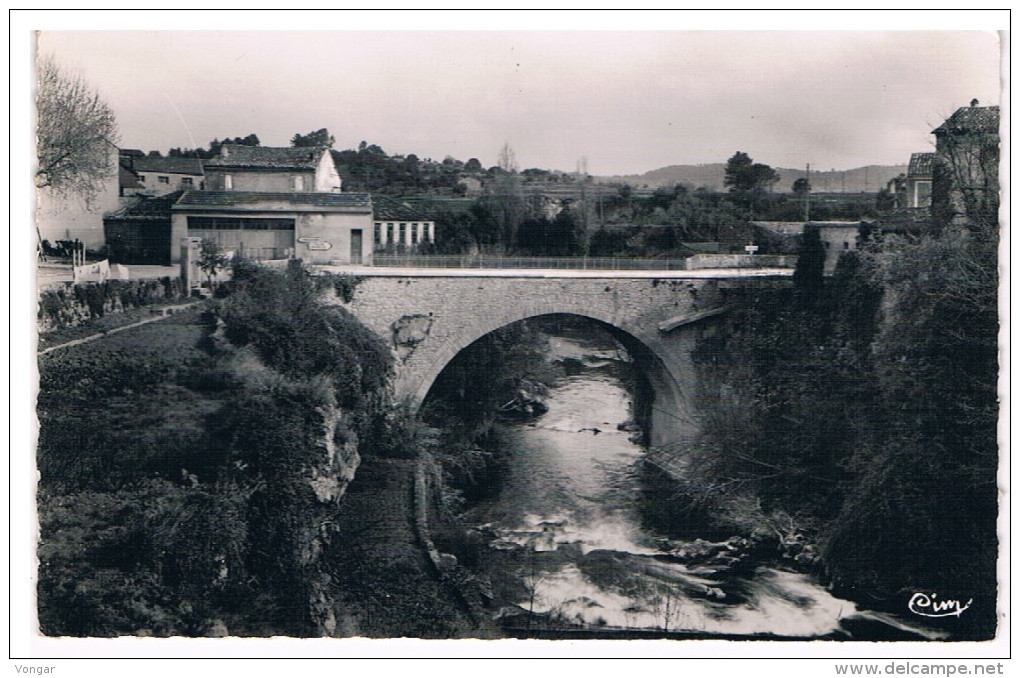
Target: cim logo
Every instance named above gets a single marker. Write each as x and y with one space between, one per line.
927 606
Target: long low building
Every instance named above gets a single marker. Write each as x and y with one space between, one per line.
315 227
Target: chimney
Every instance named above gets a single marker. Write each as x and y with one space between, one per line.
224 151
974 102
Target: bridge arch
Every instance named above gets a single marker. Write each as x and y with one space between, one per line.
664 414
429 318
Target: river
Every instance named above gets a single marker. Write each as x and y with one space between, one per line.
566 547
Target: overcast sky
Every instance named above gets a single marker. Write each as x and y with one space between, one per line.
627 101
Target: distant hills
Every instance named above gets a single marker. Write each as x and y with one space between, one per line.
868 179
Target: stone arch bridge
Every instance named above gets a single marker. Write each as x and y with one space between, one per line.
428 316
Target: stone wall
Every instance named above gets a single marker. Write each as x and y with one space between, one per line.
741 261
69 305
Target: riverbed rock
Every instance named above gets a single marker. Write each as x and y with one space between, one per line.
528 401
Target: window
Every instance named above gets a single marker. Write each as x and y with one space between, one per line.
141 178
239 224
187 181
378 235
922 194
163 180
390 233
403 232
228 182
414 234
846 245
299 183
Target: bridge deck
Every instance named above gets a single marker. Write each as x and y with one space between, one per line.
699 274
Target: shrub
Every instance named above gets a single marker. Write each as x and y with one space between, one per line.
279 314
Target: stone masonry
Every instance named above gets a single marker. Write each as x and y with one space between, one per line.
427 319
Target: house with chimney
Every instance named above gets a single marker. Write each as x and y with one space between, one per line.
276 203
965 171
266 169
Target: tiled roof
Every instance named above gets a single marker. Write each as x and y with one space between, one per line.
920 164
971 119
417 207
265 157
215 199
146 208
147 163
393 209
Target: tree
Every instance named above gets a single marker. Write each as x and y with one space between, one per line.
473 165
801 187
216 144
747 179
566 235
318 138
809 275
509 204
738 169
893 195
211 259
372 149
507 160
75 134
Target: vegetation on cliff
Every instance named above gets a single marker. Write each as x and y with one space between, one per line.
191 470
860 415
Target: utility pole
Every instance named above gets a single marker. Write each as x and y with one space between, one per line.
807 195
582 170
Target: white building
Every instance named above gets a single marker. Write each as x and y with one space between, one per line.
155 176
272 170
71 217
398 226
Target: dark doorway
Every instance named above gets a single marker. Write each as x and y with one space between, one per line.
356 246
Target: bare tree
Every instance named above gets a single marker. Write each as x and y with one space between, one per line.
76 131
509 203
507 160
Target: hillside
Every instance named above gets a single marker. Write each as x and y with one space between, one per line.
869 179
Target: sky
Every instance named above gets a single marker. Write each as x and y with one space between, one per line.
625 101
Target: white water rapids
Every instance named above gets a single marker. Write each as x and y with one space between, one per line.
566 543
